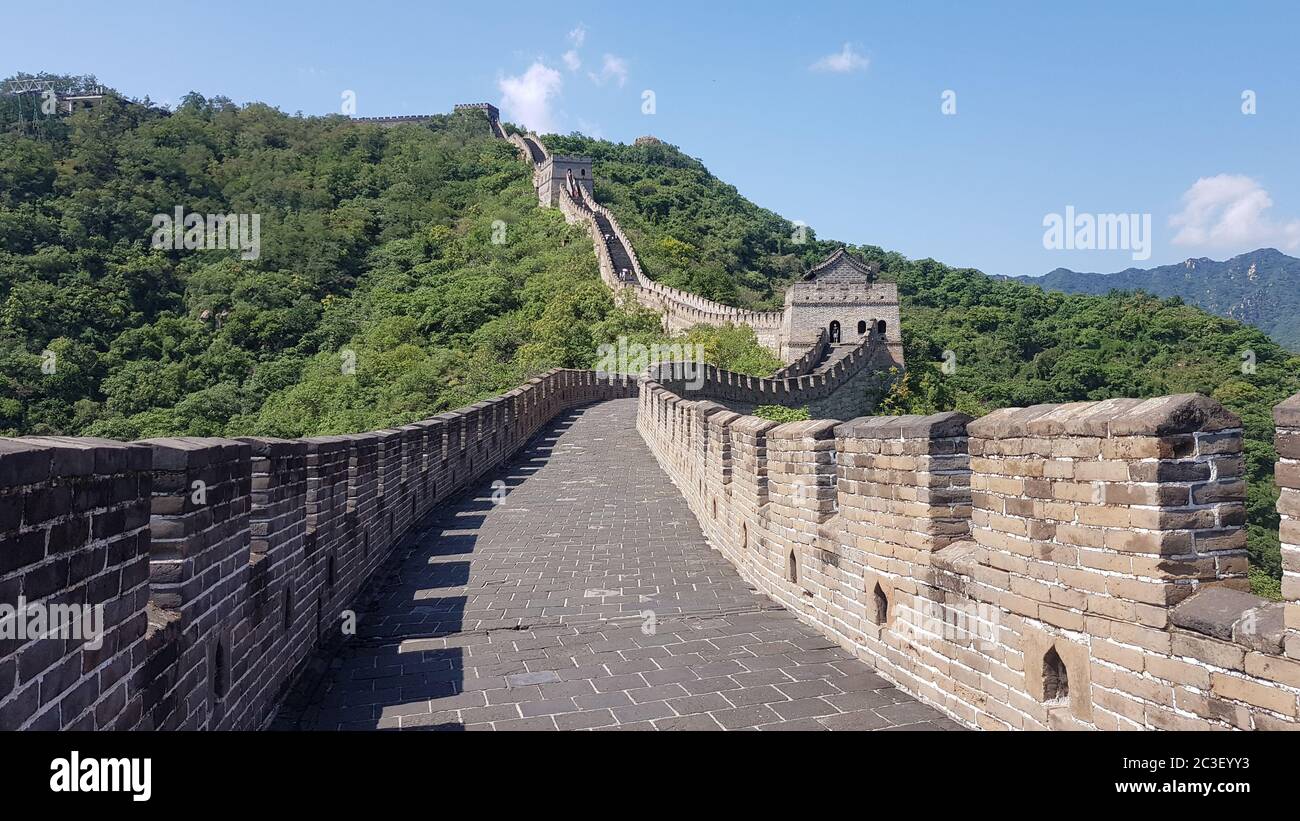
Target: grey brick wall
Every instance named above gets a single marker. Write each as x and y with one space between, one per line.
223 564
74 517
1056 567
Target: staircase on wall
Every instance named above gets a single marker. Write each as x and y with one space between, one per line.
534 147
617 250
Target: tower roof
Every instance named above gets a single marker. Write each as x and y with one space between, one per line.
842 267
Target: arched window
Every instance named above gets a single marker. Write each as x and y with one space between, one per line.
1056 681
794 567
862 327
880 327
835 332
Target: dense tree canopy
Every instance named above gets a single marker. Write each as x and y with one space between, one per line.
693 231
378 296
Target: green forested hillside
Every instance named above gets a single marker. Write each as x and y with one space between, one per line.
377 251
694 231
1006 343
1260 288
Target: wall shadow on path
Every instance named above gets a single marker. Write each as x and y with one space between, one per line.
405 668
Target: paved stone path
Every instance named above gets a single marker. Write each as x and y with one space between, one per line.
588 598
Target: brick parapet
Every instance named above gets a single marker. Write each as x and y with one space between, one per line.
950 564
74 517
1287 474
806 361
224 564
840 387
200 551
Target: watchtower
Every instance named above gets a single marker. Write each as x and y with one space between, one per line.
492 112
844 298
552 173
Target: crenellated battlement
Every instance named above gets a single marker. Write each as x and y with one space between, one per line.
396 119
487 108
222 565
807 361
839 388
1054 567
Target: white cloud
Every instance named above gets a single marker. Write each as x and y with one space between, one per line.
571 60
612 67
578 36
527 99
1231 210
842 62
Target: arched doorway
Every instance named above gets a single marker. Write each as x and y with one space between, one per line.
835 332
862 327
880 327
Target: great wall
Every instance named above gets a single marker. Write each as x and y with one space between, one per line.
1070 566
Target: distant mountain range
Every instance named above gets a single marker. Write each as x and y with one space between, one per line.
1261 288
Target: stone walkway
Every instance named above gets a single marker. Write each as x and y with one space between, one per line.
584 596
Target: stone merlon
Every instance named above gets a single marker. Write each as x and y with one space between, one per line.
1162 416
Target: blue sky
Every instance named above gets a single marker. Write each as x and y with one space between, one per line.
829 113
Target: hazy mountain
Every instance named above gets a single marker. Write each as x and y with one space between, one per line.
1261 288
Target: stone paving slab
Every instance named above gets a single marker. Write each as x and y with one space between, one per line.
588 599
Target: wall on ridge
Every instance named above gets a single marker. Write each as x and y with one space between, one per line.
841 391
1057 567
681 310
221 565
